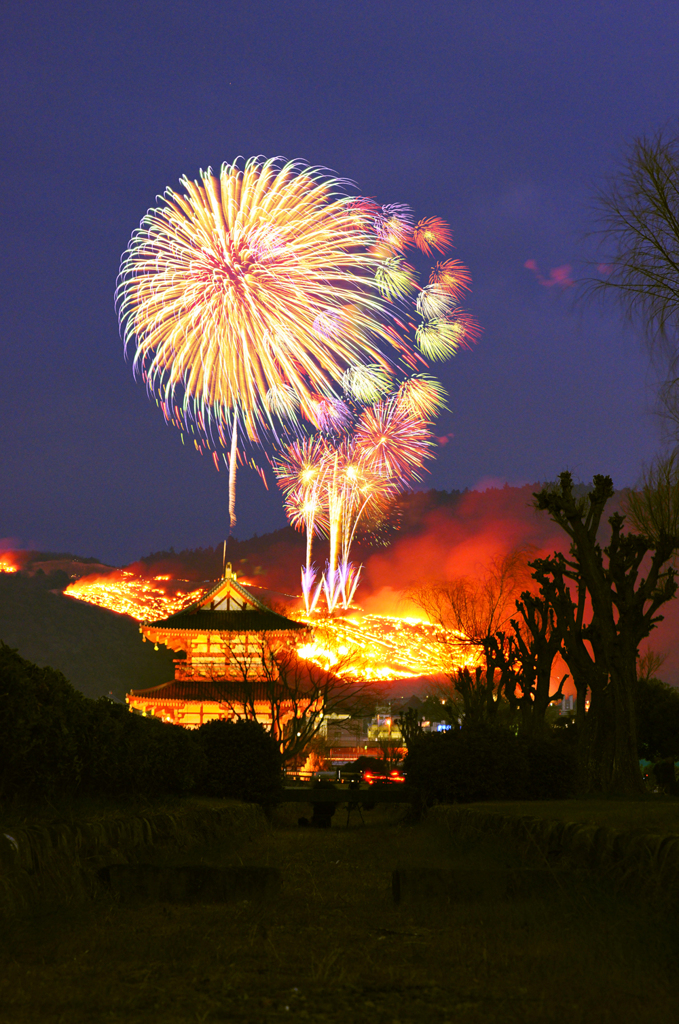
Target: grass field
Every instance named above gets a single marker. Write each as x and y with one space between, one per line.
332 946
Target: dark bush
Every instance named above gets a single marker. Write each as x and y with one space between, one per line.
242 761
552 768
488 764
54 742
41 721
130 754
364 764
657 712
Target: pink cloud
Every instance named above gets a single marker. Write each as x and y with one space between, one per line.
559 276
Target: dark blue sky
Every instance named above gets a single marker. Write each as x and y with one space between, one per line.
499 117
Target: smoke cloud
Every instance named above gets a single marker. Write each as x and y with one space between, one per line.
559 277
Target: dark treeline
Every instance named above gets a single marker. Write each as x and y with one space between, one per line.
591 608
57 745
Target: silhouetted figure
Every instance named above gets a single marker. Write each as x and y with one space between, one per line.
323 811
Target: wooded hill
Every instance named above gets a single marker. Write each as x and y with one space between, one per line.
99 652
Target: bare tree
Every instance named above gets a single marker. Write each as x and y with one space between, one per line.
475 615
653 509
537 638
288 695
638 215
649 664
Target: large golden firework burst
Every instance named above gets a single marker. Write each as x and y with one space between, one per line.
254 283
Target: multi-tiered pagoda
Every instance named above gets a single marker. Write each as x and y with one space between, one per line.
230 640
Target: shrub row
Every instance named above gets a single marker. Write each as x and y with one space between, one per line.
489 764
55 743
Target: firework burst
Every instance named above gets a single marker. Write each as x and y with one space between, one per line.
431 234
395 278
394 226
453 276
250 284
265 296
442 337
434 300
392 442
366 384
423 397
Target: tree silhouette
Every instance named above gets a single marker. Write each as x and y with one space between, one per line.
604 608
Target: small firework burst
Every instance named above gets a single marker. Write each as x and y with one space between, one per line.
422 396
453 276
442 338
435 301
431 234
327 414
328 323
300 463
366 384
394 226
395 278
393 443
282 401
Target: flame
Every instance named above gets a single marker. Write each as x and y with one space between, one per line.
385 647
7 563
129 594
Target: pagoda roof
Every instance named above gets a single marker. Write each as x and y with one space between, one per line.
227 622
227 607
217 691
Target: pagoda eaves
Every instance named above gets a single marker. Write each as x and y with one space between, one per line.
226 634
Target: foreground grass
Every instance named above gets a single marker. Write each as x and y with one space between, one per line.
333 947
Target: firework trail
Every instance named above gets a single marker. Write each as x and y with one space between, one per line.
247 297
331 487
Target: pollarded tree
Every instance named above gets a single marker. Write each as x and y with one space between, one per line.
536 640
605 607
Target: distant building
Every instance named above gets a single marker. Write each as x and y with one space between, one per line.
230 640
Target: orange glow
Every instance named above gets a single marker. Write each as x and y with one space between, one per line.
370 647
385 647
142 599
7 563
393 777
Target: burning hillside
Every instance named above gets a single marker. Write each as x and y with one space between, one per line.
383 647
142 599
376 647
437 539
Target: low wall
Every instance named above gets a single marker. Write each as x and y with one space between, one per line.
646 863
49 865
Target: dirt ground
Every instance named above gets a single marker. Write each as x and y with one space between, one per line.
333 946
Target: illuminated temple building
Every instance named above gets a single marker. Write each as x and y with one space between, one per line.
226 636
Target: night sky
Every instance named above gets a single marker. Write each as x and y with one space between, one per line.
499 117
